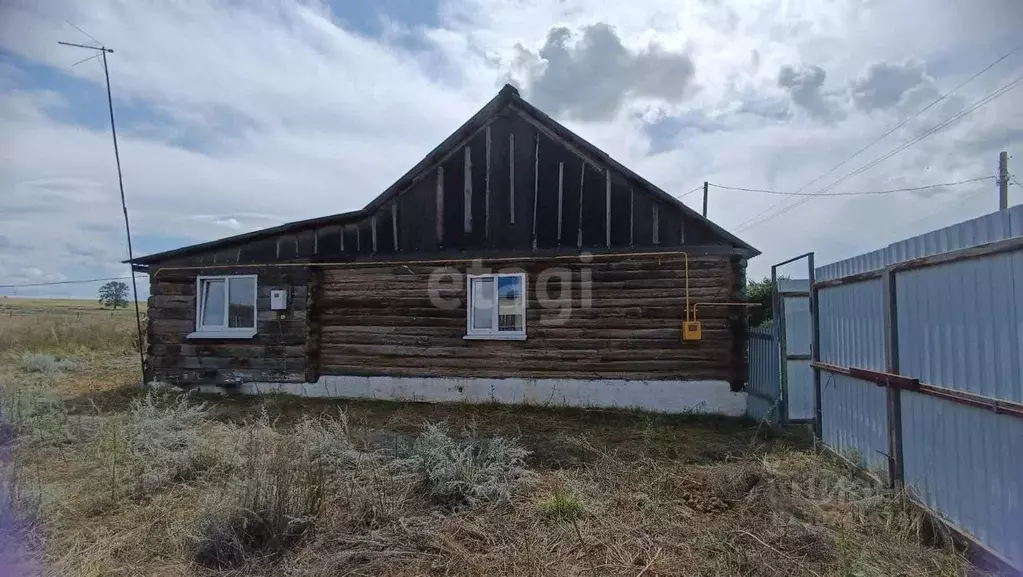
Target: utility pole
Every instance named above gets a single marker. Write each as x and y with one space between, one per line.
705 185
1003 180
102 51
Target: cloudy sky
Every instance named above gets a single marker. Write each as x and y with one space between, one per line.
235 116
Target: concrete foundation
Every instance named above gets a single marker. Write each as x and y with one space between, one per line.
713 397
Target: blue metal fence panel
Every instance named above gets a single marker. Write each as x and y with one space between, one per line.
959 325
981 230
763 386
964 463
1016 220
854 420
875 260
852 325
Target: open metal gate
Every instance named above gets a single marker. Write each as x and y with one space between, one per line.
781 384
793 311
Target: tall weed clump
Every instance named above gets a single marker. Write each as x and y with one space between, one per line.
165 442
36 417
272 502
465 472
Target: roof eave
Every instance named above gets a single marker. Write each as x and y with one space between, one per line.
334 219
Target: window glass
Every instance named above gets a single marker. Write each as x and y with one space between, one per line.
241 310
213 303
483 303
510 312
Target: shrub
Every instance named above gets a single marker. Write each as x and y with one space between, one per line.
464 472
328 441
164 440
36 417
269 508
44 363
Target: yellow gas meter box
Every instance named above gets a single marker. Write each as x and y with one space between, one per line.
692 331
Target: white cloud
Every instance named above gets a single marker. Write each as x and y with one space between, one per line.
804 87
271 110
610 73
884 84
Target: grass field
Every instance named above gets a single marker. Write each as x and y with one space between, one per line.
102 478
24 306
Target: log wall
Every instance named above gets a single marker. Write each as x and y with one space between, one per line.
277 353
380 320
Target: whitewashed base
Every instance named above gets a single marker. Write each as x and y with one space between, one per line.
713 397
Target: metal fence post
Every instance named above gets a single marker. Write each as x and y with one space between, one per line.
779 315
891 361
815 352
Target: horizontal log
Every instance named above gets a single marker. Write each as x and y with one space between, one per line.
328 330
510 355
555 275
174 289
292 314
537 319
327 358
384 301
248 350
425 296
618 262
175 301
227 376
719 340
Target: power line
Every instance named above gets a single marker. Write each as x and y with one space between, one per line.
84 281
987 99
857 193
700 187
749 222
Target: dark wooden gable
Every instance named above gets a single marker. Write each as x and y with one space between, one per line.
511 179
511 185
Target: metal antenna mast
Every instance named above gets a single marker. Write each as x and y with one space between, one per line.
102 51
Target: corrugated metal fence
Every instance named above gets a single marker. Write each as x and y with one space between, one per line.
919 372
763 388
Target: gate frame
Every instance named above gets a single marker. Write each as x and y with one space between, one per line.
778 313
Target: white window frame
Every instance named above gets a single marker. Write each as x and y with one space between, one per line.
223 331
494 333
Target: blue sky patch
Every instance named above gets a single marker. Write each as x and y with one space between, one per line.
85 104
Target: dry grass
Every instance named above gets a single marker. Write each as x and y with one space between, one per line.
110 481
57 333
14 306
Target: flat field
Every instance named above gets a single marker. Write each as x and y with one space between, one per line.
100 477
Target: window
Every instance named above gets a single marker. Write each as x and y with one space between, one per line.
497 306
225 307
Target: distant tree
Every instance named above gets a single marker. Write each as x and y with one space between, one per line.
113 294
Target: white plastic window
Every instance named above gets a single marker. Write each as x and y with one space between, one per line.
226 303
497 306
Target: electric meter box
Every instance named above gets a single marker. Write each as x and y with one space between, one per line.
278 299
